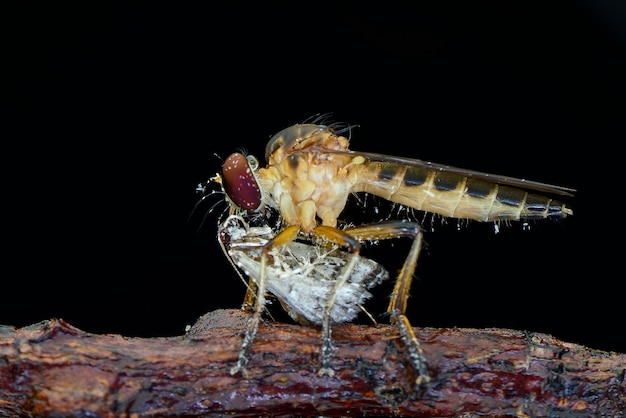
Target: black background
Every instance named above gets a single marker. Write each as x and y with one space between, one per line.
121 108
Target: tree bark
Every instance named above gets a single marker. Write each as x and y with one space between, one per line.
54 369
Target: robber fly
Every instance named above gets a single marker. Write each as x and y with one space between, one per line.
309 176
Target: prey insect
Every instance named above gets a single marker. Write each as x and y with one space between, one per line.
309 176
300 275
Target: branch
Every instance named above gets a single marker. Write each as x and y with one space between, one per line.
52 368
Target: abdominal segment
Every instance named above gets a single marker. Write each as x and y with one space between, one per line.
454 195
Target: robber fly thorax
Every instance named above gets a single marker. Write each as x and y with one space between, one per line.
309 176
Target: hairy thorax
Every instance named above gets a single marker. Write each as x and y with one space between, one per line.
306 184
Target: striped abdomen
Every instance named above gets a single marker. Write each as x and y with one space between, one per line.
454 195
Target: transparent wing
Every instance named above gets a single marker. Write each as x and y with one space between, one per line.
494 178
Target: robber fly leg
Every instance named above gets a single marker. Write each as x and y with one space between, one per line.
340 237
249 298
397 307
283 238
253 322
400 294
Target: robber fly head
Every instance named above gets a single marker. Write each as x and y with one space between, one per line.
239 182
239 190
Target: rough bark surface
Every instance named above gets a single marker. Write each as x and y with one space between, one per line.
54 369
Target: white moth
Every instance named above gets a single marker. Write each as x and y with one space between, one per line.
302 275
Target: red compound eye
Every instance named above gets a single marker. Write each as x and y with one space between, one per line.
239 182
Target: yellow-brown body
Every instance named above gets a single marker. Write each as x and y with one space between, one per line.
311 173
